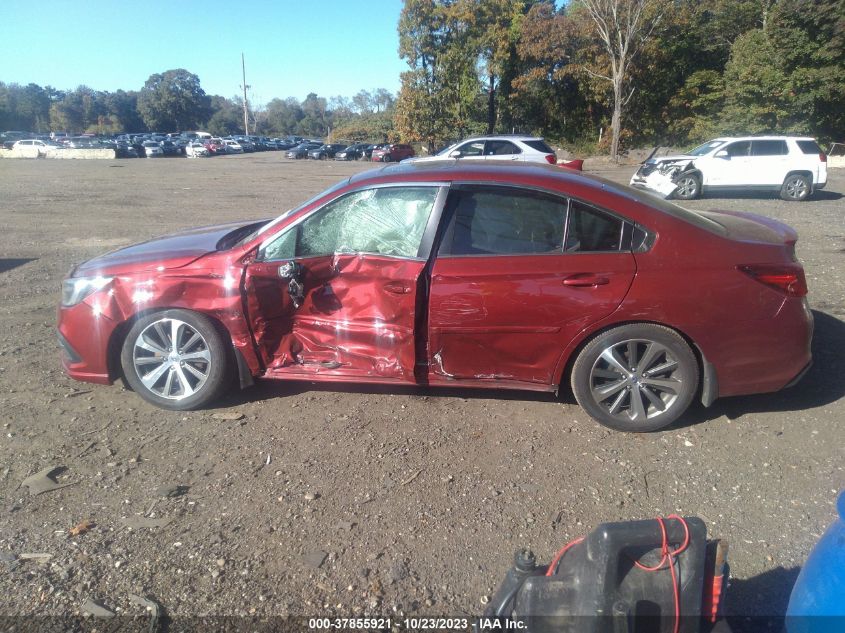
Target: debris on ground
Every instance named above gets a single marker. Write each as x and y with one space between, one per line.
81 528
43 481
94 608
38 557
315 559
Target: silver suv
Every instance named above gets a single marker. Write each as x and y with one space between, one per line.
794 166
502 147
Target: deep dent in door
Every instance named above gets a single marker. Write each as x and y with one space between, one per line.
356 319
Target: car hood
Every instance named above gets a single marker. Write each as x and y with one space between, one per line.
170 251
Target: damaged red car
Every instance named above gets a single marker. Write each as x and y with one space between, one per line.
491 275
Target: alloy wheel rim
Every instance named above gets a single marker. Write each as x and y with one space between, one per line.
687 187
636 380
171 359
796 188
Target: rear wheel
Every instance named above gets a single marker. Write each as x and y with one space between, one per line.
639 377
175 359
795 188
689 187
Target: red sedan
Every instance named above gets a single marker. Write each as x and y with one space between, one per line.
490 275
392 153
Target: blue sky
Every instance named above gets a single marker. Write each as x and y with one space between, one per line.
331 47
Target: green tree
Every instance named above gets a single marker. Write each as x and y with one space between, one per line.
173 101
809 36
758 97
227 117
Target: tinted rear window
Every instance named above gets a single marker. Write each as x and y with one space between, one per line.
769 148
540 146
809 147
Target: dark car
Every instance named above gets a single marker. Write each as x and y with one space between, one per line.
170 148
392 153
123 149
355 151
301 150
499 276
325 151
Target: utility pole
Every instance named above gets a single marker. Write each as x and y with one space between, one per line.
246 105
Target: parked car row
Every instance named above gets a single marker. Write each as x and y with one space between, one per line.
385 153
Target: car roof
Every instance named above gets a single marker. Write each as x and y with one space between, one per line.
504 137
494 172
763 137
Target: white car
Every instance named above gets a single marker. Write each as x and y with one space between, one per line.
35 144
503 147
233 147
791 165
196 149
152 149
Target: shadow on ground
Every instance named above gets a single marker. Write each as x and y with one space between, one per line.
760 602
822 385
819 194
8 264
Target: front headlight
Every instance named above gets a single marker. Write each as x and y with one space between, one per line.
76 289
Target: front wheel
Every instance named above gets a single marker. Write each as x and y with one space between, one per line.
795 188
637 378
176 359
689 187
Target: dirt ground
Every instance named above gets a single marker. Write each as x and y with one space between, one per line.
309 500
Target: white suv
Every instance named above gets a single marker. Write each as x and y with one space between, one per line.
502 147
791 165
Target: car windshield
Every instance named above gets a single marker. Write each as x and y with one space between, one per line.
706 148
445 151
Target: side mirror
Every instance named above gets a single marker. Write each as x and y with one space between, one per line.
455 153
722 153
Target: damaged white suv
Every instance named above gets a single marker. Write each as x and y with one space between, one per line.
791 165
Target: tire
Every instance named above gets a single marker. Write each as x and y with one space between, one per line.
386 158
796 188
689 187
186 378
625 400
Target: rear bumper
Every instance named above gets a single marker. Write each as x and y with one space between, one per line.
767 355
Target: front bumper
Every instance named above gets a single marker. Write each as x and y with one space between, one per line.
84 332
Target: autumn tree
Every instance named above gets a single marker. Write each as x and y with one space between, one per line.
622 27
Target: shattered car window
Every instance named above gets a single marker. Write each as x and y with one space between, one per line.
384 221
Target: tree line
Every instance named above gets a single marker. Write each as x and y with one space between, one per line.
174 101
650 71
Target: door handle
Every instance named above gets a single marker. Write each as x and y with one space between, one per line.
583 281
397 287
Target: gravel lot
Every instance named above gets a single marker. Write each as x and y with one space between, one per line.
316 500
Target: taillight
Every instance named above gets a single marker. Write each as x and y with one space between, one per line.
784 278
551 159
823 157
